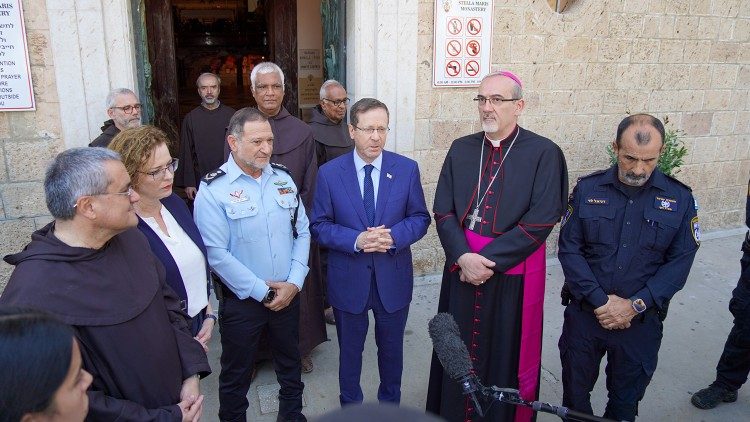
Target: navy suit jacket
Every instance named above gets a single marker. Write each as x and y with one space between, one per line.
338 217
181 214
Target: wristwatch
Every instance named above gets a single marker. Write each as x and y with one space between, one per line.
270 296
212 316
639 305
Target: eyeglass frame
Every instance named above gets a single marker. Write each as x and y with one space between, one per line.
128 193
128 109
370 130
482 100
162 171
337 103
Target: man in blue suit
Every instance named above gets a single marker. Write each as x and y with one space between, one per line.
368 209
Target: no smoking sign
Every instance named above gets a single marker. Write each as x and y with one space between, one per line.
463 42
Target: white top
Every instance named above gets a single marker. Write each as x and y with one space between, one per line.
189 258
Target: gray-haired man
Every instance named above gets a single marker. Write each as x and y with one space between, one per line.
124 111
93 269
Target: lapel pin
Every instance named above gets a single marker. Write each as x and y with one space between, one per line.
388 175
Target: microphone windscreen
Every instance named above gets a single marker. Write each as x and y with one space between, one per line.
449 348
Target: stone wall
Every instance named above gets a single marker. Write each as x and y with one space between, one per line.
586 68
28 140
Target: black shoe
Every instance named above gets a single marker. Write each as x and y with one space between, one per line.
710 397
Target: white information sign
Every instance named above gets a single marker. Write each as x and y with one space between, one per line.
16 93
463 42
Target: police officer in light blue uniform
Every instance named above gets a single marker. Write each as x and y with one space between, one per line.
256 233
626 246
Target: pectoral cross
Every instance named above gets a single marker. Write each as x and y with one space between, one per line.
474 218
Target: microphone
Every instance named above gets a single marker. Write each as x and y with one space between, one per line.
453 355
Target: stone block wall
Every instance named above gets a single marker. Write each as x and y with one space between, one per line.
587 68
28 141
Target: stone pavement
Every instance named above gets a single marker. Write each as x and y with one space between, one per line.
695 332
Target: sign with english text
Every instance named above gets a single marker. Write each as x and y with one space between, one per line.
463 42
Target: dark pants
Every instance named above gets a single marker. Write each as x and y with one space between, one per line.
631 360
734 364
240 324
351 330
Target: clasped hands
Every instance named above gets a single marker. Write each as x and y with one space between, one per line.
375 239
616 314
475 268
285 292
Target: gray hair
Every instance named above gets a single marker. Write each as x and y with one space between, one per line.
263 68
114 93
327 84
197 81
242 116
75 173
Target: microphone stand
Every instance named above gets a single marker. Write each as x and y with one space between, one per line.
512 396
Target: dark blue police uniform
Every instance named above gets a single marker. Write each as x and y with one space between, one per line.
734 364
636 243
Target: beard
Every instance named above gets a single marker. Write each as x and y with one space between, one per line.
490 126
631 179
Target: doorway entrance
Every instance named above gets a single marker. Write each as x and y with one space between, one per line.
184 38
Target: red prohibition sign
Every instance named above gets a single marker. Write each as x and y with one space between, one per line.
472 68
472 47
454 26
452 68
453 48
474 26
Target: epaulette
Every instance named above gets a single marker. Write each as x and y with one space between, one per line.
213 175
596 173
672 178
281 167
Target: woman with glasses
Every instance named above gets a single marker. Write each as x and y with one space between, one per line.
42 378
166 221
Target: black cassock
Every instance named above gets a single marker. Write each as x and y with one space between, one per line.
202 140
500 320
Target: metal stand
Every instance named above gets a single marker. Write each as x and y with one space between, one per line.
512 396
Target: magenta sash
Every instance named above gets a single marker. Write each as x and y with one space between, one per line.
530 360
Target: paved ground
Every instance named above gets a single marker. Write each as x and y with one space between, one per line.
694 335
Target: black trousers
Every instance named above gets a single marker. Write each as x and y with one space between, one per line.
631 360
734 364
241 323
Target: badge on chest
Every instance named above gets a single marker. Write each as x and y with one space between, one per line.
665 204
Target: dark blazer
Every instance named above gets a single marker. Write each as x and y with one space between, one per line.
181 214
338 217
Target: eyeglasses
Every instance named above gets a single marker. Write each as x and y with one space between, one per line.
161 173
337 102
495 100
371 130
273 87
128 109
128 193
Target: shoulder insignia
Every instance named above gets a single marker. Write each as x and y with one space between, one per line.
213 175
672 178
696 230
281 167
567 215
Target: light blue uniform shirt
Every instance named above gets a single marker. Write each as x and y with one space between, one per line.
246 226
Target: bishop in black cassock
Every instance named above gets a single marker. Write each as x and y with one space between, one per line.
499 197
